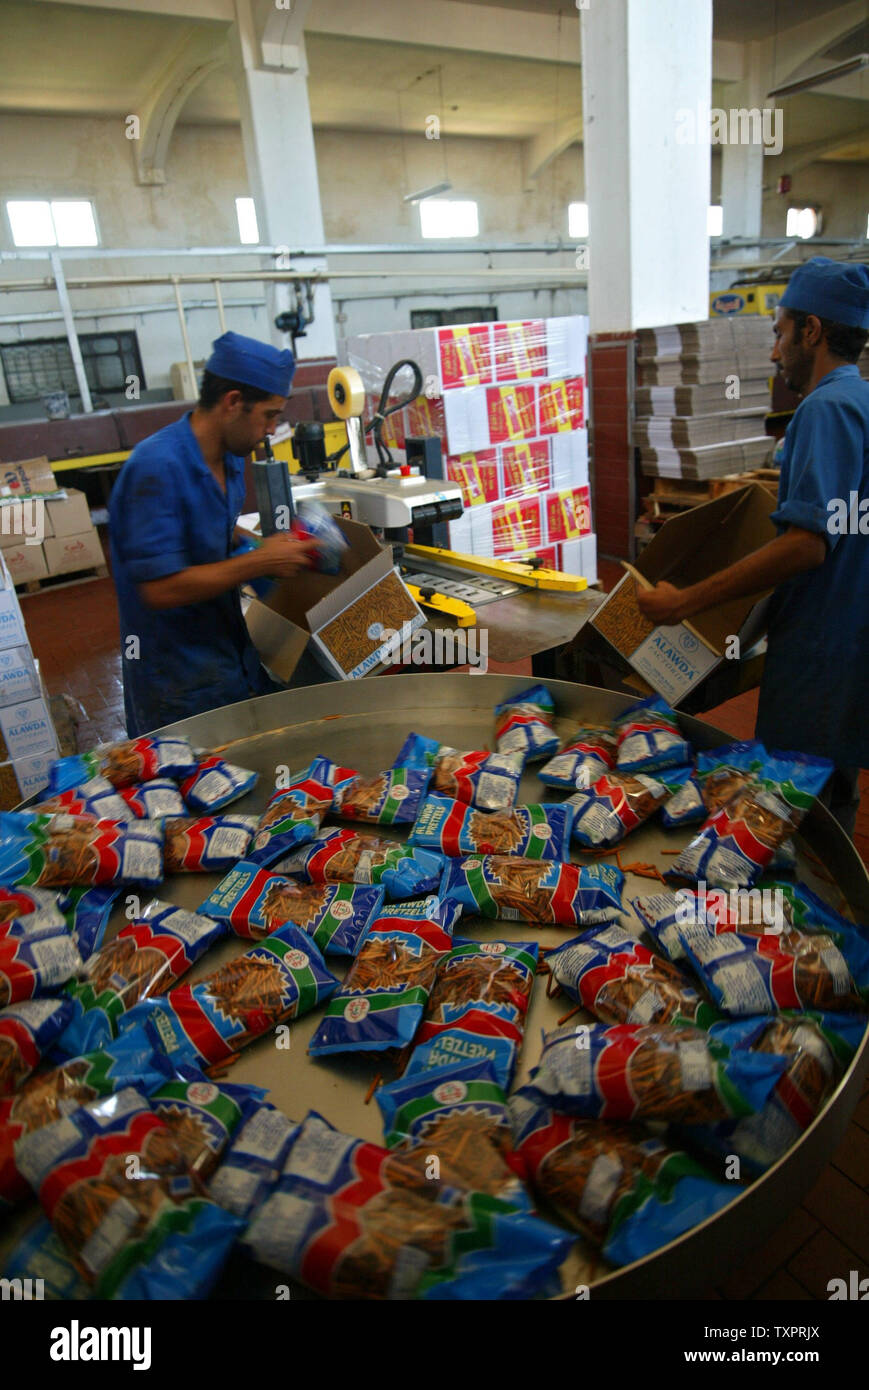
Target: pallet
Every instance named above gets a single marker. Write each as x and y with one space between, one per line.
62 581
671 495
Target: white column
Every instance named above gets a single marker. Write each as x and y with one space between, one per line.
742 162
271 77
646 75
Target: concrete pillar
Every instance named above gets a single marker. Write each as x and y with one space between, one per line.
646 75
742 162
270 72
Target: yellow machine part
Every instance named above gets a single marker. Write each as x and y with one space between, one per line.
463 613
517 571
746 299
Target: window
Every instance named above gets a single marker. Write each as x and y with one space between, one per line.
577 219
35 368
715 220
442 217
62 222
248 231
443 318
803 223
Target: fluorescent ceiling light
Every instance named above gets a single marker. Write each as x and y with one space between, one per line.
427 192
818 79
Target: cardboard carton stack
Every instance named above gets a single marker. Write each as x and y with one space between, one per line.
28 742
509 403
702 394
44 530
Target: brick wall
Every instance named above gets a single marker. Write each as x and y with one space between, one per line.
611 371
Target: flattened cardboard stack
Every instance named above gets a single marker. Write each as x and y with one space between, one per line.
28 742
691 423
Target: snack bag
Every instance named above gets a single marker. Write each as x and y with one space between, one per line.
55 851
619 802
27 1031
96 798
313 522
151 800
293 816
206 844
418 751
381 1001
251 1166
148 1236
737 841
87 912
455 830
50 1095
722 771
280 978
474 1035
586 756
42 1255
342 856
523 724
489 781
352 1220
650 738
145 958
608 972
686 807
459 1114
31 908
254 901
202 1115
621 1187
630 1071
215 784
528 890
36 964
125 763
388 798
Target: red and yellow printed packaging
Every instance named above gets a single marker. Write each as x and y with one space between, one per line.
520 350
477 476
512 413
393 434
562 405
568 514
425 416
527 468
516 526
465 355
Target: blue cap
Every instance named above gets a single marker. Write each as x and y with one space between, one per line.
834 290
252 363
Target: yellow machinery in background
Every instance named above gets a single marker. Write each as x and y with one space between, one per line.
746 299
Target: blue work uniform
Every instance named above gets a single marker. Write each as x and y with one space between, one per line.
815 687
168 512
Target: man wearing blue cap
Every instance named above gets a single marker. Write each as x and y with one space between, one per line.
815 687
185 646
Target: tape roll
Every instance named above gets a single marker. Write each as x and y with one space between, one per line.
346 392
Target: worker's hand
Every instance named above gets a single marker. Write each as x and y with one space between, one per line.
664 604
282 555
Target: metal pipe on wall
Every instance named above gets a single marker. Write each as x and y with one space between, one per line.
183 322
72 336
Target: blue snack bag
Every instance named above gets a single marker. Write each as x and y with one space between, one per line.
523 724
216 784
342 856
294 815
650 738
456 830
533 890
251 1165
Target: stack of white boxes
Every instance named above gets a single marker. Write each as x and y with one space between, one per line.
28 742
509 403
41 536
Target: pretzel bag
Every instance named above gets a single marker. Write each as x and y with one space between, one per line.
621 1187
392 797
125 763
610 974
527 890
489 781
97 798
619 802
459 1117
737 841
113 1181
628 1071
342 856
294 815
455 829
650 738
36 963
54 851
252 1164
41 1254
27 1031
254 901
145 958
381 1001
206 844
352 1220
586 756
818 1048
523 724
32 909
280 978
685 807
87 912
203 1115
84 912
216 784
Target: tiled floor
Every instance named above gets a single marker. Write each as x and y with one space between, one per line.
74 633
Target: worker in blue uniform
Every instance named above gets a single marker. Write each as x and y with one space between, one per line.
184 643
815 686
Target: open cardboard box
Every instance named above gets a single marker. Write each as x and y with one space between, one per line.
346 614
674 660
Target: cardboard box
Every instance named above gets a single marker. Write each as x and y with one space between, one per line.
520 350
345 613
12 630
466 424
465 354
477 476
26 562
570 459
26 730
691 546
24 522
29 478
70 517
516 526
24 777
580 557
66 554
526 468
19 679
566 345
562 405
512 413
568 514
